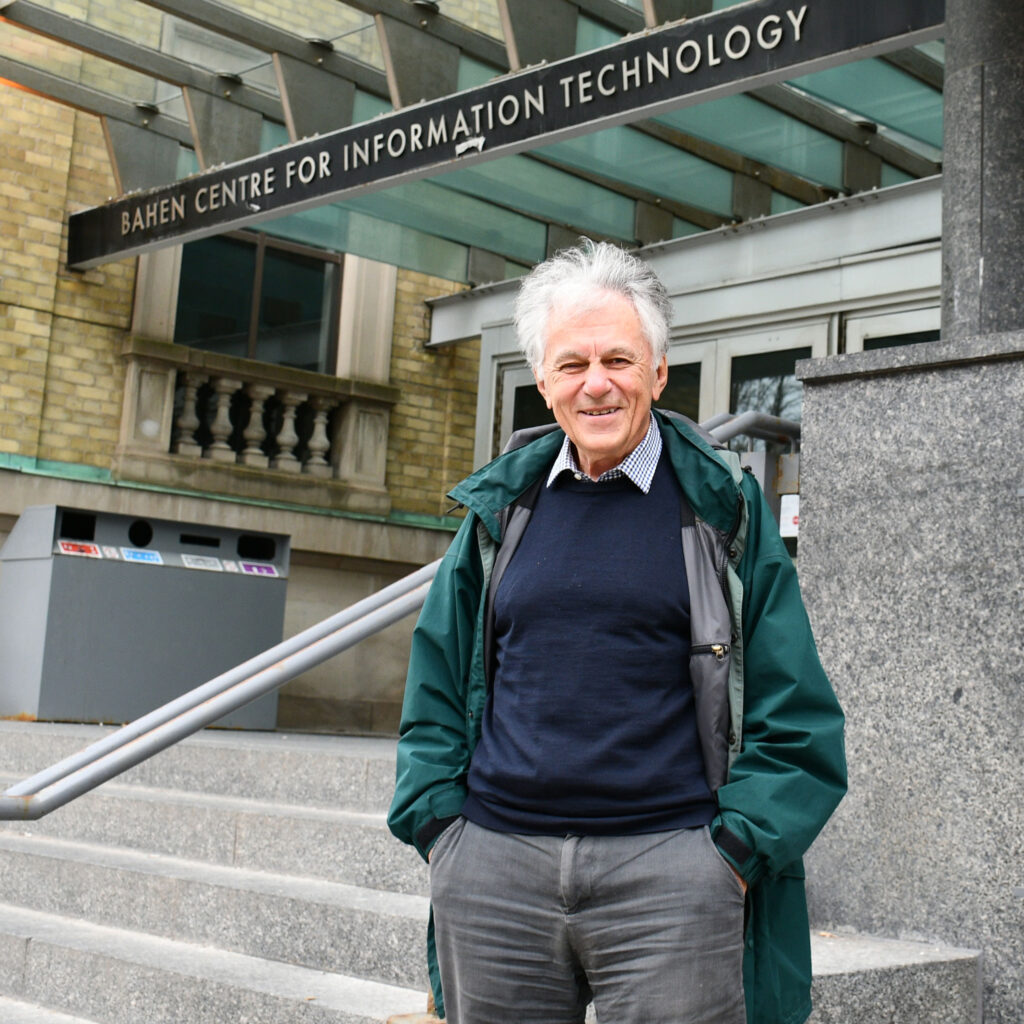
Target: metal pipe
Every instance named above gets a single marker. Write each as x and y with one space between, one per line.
208 690
717 420
32 806
758 424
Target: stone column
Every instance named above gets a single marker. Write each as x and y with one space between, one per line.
912 566
912 561
983 167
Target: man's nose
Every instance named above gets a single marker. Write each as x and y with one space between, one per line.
597 382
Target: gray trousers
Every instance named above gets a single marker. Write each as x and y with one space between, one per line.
529 929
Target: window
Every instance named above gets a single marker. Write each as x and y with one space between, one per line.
682 392
766 382
896 340
865 332
245 294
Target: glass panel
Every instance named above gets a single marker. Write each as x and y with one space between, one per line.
295 310
766 382
479 14
756 130
528 185
367 106
936 49
683 228
339 229
215 295
897 340
882 93
623 154
529 408
215 52
783 204
134 22
894 176
428 207
361 43
513 270
591 34
473 73
48 55
682 392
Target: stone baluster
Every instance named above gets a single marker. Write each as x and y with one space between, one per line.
188 421
319 443
287 437
255 433
220 428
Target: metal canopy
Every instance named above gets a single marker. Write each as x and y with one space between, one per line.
182 86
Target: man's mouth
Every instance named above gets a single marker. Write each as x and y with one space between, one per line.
598 412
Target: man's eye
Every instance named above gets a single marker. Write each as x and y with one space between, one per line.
618 361
571 367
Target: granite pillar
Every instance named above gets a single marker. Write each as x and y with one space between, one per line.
912 564
912 560
983 168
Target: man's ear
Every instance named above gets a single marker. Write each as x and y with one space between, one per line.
539 378
660 378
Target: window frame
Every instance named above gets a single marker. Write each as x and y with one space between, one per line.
262 241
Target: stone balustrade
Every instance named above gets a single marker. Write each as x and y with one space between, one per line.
220 424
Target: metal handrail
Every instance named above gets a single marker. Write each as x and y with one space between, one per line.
726 426
133 743
137 741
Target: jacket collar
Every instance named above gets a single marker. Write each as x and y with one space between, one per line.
705 478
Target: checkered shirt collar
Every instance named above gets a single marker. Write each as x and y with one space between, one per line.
638 466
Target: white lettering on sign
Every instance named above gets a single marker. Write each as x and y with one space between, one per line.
307 169
243 189
633 73
769 38
465 129
156 213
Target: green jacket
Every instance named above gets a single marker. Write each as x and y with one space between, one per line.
771 729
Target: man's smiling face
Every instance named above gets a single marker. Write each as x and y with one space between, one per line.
599 380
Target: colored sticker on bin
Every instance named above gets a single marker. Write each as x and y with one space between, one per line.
230 566
75 547
258 569
145 557
202 562
109 552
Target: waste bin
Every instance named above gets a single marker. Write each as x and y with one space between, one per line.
105 617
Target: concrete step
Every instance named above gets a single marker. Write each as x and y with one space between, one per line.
14 1012
350 772
336 845
369 933
273 848
861 979
113 976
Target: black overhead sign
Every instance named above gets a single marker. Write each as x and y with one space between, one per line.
739 48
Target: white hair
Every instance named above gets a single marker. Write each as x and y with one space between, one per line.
580 280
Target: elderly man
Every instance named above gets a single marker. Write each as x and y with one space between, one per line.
617 739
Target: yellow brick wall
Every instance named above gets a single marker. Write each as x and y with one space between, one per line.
430 444
35 143
60 332
61 377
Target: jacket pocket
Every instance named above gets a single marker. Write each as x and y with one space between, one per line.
446 839
709 676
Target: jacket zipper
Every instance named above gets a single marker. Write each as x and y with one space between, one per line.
723 568
718 650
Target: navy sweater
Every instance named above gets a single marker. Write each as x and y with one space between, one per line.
590 725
